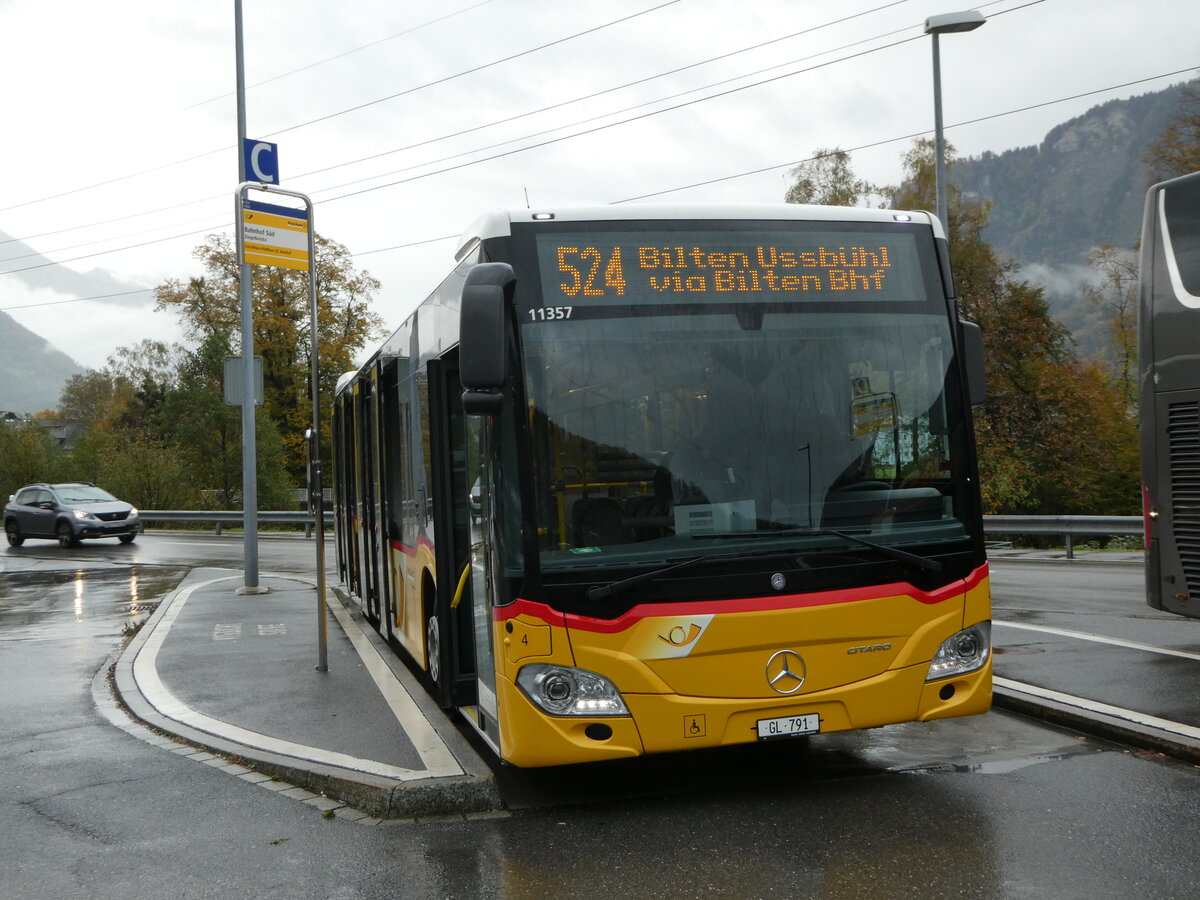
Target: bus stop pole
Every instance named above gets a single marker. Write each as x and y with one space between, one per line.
317 488
316 501
249 447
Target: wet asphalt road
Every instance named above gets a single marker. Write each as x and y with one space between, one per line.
992 806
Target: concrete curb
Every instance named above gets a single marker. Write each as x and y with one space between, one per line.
376 795
1112 728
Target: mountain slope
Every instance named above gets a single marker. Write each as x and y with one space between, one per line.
32 373
1082 187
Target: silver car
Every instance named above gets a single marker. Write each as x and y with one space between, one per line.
68 513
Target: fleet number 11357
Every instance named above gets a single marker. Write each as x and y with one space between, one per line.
549 313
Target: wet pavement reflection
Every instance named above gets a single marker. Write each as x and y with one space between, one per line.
52 605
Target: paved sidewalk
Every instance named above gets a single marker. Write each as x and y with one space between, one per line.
237 674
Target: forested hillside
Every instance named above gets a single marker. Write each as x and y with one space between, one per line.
1082 187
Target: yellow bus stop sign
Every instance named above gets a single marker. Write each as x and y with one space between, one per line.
274 235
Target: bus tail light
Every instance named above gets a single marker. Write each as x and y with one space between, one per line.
963 652
564 691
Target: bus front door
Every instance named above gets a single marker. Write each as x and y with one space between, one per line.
453 480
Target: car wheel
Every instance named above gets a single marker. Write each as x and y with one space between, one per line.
126 538
13 530
66 537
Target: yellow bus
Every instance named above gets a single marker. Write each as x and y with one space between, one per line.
645 479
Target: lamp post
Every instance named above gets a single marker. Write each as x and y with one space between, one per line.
946 23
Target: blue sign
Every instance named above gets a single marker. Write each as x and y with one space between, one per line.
261 161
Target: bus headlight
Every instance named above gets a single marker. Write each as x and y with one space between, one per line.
963 652
564 691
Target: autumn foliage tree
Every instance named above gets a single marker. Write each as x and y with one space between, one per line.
1056 435
827 179
209 306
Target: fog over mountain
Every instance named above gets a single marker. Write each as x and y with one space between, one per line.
37 272
1082 187
32 370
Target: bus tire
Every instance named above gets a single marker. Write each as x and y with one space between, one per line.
433 649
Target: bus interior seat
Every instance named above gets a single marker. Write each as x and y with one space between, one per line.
597 522
647 517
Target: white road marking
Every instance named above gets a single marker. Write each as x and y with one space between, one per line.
437 757
1103 708
1099 639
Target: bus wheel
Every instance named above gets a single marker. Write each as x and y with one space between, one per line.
433 649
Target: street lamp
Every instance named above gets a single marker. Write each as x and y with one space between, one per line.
946 23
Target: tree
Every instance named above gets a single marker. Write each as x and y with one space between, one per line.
96 399
827 180
137 465
1115 295
27 454
1177 150
195 416
210 309
1055 435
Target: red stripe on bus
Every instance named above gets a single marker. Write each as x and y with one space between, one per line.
412 551
746 604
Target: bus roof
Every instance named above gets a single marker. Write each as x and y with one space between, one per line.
498 223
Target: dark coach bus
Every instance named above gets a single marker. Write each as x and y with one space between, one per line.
1169 393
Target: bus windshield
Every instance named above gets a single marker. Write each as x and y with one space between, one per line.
671 423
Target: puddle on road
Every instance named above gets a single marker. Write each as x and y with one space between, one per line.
38 606
992 767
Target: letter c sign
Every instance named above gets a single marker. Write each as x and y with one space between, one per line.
261 161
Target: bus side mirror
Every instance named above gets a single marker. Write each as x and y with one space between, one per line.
483 337
970 341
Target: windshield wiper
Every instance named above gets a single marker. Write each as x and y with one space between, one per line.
603 592
929 565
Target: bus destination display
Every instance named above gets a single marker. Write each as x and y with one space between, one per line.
803 266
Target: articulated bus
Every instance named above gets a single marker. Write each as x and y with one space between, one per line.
1169 393
648 479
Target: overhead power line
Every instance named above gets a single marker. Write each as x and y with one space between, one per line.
471 71
915 134
555 140
350 52
745 174
541 110
342 112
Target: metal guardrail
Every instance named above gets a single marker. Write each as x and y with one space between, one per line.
1069 527
221 517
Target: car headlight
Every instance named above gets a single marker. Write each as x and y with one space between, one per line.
82 514
564 691
133 511
963 652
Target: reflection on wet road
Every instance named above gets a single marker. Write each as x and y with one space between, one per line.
996 806
55 605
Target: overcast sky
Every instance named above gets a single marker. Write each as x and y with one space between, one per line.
401 120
